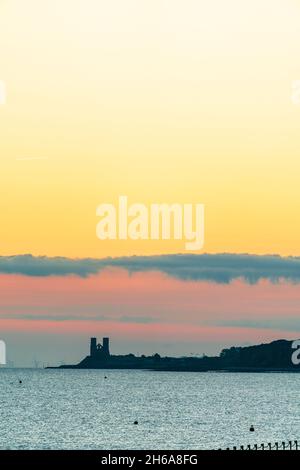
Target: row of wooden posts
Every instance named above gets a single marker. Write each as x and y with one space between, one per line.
290 445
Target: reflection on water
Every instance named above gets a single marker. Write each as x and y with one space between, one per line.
79 409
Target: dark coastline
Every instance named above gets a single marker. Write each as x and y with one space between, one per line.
272 357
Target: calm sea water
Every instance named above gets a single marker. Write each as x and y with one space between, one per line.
79 409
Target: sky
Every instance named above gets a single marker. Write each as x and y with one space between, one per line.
165 101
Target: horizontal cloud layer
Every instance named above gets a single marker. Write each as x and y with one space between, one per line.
220 268
283 324
70 317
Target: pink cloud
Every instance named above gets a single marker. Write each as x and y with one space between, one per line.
189 310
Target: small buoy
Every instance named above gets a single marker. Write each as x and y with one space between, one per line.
251 428
105 377
136 422
20 381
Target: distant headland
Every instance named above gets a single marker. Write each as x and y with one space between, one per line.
275 356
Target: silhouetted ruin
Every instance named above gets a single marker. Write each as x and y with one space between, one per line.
275 356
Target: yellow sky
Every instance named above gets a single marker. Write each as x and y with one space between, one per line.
161 100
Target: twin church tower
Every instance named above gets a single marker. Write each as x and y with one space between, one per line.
99 351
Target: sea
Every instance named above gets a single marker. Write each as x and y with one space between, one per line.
96 409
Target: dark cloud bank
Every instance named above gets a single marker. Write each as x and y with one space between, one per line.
219 268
